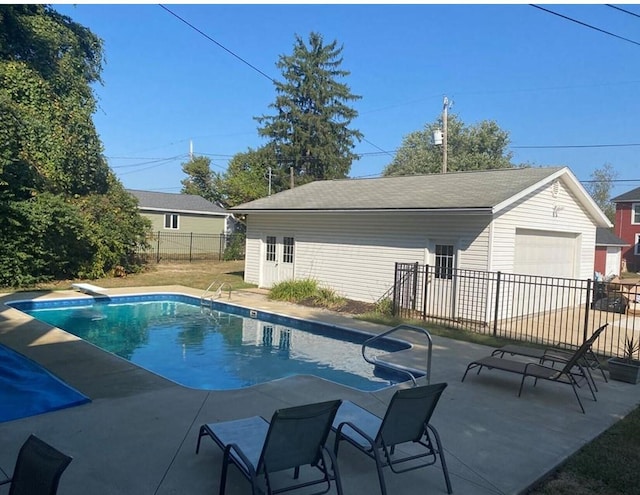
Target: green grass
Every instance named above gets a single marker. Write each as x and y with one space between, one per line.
610 465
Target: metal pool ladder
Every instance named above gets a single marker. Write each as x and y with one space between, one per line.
208 295
398 368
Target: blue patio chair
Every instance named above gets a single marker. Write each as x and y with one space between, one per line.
406 421
294 437
38 469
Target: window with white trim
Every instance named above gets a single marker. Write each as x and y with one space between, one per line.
444 261
635 213
171 221
271 248
636 249
287 253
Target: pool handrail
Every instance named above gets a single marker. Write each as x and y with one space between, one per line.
375 362
215 294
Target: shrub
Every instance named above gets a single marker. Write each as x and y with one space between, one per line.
384 307
294 290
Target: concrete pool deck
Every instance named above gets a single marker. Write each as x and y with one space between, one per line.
138 434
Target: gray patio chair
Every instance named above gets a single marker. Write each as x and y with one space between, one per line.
567 375
38 469
406 421
589 361
294 437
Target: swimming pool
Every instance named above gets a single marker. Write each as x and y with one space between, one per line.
219 347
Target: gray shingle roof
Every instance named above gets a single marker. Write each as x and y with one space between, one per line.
178 203
604 237
633 195
458 190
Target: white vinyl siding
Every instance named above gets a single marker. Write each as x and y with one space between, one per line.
550 209
355 254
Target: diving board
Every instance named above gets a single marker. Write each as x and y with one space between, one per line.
88 288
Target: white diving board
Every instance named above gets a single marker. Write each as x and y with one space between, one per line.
88 288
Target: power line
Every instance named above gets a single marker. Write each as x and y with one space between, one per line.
585 24
569 146
623 10
219 44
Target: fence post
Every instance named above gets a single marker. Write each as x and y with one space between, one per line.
587 306
158 249
415 287
191 247
496 308
395 291
425 292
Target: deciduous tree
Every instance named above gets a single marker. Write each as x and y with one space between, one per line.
51 156
475 147
600 189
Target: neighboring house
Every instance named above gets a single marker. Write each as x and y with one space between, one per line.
183 213
627 227
348 234
608 252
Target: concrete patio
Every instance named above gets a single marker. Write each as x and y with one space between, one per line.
138 434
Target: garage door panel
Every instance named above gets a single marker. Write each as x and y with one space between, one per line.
545 253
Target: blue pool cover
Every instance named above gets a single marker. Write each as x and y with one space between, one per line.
27 389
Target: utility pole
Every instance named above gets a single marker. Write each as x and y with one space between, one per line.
269 181
190 150
445 109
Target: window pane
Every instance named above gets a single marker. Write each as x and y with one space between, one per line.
287 254
444 261
637 250
174 221
167 221
635 213
271 248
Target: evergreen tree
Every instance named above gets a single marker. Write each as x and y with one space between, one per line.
310 131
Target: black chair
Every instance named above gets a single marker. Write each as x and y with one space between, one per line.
38 469
294 437
568 375
405 422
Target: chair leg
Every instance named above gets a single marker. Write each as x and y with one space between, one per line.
575 391
334 468
201 434
445 470
376 456
223 475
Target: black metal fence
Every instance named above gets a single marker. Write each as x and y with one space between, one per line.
170 246
544 310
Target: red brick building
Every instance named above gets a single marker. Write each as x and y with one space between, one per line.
627 227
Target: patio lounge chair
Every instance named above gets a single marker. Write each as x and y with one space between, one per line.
406 421
293 438
590 360
38 469
567 375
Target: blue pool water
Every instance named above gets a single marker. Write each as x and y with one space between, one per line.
223 347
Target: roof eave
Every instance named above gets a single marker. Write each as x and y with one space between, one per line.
193 212
469 211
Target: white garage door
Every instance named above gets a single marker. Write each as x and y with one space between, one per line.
551 254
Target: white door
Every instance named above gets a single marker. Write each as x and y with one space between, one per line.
545 253
278 260
441 285
612 265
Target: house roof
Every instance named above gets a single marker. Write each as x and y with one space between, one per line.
633 195
604 237
176 203
482 191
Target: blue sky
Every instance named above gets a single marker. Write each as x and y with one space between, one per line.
549 82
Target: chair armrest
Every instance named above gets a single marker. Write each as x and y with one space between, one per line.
251 469
354 428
